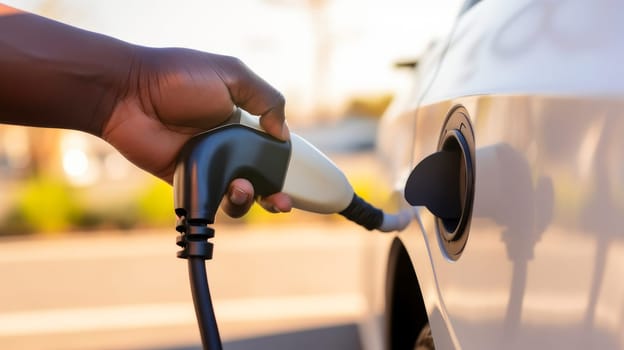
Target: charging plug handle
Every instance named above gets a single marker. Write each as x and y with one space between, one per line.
210 161
206 165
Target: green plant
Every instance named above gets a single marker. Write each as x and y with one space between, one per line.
43 204
154 205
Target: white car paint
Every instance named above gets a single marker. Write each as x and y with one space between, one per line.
543 265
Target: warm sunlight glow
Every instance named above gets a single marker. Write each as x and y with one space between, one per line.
75 163
77 157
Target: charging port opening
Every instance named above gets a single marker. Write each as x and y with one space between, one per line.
457 138
453 144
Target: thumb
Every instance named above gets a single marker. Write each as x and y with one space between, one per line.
255 95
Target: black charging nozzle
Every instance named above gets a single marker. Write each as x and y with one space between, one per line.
207 164
210 161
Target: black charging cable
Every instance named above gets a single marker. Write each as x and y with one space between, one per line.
196 249
207 164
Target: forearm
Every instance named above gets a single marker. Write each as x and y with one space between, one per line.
54 75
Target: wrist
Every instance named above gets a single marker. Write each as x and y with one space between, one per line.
131 89
58 76
116 83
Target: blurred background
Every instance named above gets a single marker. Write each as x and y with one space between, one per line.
87 239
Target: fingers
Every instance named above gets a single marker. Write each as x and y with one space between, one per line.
238 199
240 195
274 123
256 96
276 203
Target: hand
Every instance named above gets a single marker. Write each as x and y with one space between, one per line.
172 94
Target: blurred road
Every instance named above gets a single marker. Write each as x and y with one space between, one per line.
122 291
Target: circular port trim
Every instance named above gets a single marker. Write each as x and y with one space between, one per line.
457 135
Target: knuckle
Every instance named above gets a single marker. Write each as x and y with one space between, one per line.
235 64
279 100
236 61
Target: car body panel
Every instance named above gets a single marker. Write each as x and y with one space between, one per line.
570 47
541 82
543 261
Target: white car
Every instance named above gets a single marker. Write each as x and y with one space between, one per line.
518 240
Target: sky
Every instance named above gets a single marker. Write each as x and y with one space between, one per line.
317 52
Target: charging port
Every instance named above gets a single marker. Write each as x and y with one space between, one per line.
444 182
457 138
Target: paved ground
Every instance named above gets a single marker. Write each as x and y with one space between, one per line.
273 287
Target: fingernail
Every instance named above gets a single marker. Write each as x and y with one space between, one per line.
238 197
271 209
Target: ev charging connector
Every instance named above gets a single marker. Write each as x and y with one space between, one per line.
209 161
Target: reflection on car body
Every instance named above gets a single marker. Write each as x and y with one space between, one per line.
541 83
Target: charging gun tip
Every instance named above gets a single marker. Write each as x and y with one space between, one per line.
396 222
